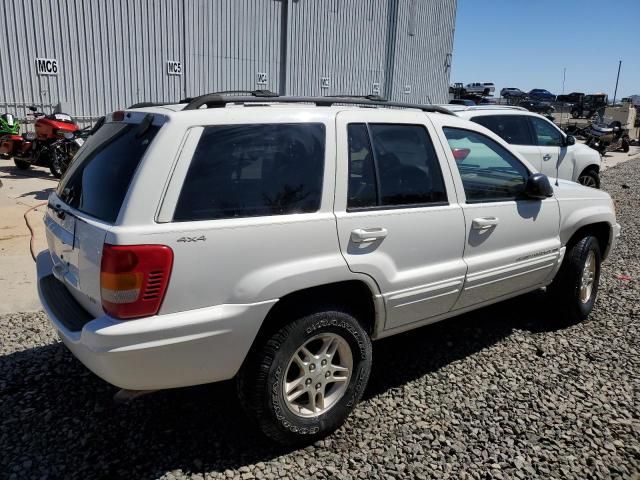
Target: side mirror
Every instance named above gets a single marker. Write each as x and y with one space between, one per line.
570 140
33 108
538 186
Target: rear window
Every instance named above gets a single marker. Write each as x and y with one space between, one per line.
254 170
99 177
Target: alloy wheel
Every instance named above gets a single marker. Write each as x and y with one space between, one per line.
588 277
318 375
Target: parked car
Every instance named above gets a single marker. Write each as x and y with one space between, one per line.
460 101
573 97
536 106
542 143
512 92
488 101
541 95
486 88
285 238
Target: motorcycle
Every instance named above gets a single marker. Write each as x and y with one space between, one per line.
608 138
70 144
44 147
9 135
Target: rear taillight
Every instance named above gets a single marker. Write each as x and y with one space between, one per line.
134 279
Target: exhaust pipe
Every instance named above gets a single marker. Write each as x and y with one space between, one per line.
124 396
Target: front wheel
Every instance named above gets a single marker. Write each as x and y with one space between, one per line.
302 382
22 164
575 287
589 178
57 165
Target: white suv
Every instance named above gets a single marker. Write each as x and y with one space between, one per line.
271 239
541 142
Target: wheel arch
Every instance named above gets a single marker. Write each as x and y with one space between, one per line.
356 296
600 230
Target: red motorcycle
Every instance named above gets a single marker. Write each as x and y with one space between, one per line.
43 148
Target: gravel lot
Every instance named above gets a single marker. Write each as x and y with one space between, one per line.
500 393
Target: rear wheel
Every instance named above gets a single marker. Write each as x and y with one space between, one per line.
575 287
302 382
625 145
22 164
589 178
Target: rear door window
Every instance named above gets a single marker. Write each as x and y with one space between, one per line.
254 170
99 178
513 129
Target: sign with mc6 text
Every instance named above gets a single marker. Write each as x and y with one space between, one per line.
46 66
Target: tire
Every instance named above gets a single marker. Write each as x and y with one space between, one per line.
22 164
56 166
589 178
625 145
575 114
271 365
566 290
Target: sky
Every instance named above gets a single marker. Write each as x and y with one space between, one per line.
528 43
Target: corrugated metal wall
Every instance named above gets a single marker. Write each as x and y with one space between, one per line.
112 54
229 42
340 40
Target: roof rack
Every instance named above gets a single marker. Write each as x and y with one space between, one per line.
221 100
495 107
149 104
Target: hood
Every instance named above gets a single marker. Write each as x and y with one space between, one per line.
582 148
565 190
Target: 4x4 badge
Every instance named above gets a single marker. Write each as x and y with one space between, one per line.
201 238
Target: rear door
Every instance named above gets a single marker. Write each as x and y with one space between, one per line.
516 131
398 218
88 200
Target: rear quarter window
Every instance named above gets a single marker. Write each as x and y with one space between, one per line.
99 177
254 170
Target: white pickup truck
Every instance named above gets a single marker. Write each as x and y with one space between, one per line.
271 239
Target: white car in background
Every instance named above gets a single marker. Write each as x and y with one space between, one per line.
540 141
486 88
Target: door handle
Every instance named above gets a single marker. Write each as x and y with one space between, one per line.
547 157
484 223
366 235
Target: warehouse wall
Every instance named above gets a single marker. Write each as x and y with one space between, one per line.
113 54
229 42
110 54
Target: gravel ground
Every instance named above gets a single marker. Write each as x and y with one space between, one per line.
500 393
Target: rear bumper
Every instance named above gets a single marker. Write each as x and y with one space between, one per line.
164 351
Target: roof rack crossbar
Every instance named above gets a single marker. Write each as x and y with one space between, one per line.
220 101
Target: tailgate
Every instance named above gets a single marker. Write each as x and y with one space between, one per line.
75 243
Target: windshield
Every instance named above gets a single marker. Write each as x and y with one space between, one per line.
99 177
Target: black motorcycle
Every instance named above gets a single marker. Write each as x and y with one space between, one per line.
608 138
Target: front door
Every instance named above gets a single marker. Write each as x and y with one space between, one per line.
397 215
512 243
556 157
